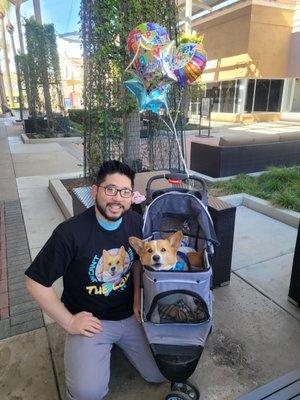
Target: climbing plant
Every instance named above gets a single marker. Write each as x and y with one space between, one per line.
40 71
105 26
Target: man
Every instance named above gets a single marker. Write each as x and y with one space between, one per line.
100 304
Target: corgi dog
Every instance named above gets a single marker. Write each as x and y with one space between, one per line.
158 255
161 255
113 265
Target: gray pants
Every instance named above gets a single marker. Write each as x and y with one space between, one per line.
87 360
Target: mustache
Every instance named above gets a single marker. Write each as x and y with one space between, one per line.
115 204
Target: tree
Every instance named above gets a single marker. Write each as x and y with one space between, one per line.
40 72
111 115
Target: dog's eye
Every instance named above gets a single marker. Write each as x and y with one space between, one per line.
150 251
118 262
163 250
109 264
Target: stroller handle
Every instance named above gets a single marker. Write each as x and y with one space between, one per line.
173 176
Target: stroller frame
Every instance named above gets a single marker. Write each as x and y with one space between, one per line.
178 359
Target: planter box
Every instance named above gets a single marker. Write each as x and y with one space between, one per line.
37 125
284 388
82 199
27 140
223 216
220 161
294 290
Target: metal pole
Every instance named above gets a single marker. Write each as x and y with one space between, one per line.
37 11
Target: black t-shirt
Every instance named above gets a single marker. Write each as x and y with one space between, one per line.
95 264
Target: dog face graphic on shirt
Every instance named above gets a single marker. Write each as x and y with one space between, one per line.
112 265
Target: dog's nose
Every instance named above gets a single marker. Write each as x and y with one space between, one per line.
156 258
113 269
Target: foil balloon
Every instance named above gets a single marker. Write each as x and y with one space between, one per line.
188 63
146 35
153 66
153 101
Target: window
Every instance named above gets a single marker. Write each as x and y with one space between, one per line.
261 95
267 92
275 95
237 96
249 98
213 91
227 96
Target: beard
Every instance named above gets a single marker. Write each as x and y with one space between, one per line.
103 212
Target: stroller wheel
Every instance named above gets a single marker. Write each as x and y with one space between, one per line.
186 387
177 396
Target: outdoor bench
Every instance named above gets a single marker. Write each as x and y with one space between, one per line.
286 387
244 153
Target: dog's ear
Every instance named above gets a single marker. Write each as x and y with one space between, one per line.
175 239
122 252
136 243
105 253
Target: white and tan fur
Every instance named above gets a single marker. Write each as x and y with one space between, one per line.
161 255
158 255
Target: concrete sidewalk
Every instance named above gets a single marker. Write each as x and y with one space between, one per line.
256 331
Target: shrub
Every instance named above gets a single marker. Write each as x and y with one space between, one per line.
77 116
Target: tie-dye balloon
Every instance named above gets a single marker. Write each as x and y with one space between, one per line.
146 35
188 63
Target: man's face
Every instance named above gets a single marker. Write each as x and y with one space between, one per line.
112 208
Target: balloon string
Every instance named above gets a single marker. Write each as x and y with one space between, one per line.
134 58
176 136
168 126
178 108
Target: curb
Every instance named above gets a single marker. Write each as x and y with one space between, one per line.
291 218
288 217
62 197
26 140
4 300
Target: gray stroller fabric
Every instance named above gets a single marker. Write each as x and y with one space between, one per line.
177 305
164 292
187 210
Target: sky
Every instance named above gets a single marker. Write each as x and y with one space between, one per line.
62 13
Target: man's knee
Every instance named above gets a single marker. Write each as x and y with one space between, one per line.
154 377
82 392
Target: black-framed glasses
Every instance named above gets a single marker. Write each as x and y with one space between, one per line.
112 191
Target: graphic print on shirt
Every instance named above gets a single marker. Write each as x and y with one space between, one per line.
110 271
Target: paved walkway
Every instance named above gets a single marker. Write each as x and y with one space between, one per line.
256 331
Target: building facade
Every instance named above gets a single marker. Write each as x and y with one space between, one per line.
253 69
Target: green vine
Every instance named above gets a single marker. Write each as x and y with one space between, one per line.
40 72
105 28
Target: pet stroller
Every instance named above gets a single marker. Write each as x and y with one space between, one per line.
177 338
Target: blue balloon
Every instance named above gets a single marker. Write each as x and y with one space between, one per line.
153 101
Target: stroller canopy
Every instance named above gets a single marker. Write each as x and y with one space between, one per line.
178 211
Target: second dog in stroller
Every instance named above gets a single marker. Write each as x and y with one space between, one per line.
177 303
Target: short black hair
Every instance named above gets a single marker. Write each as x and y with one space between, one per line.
114 166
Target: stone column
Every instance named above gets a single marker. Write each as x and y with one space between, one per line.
6 60
10 30
188 17
37 11
18 17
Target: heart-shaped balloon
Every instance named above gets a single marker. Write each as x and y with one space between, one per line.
153 66
188 63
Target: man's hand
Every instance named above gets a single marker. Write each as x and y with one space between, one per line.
84 323
137 307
